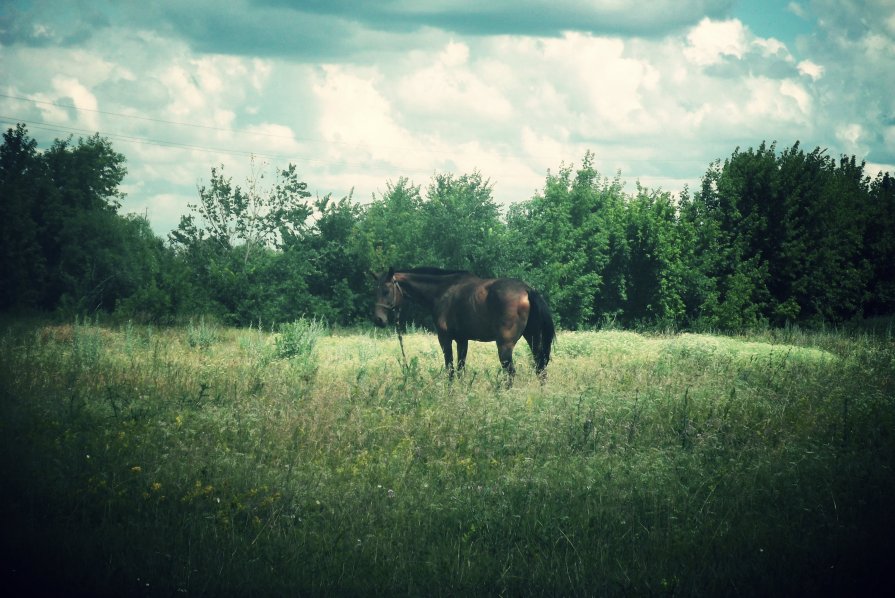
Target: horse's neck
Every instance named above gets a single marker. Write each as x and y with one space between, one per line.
425 288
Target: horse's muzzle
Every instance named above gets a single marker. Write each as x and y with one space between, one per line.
380 320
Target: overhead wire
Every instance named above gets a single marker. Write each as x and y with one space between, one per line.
244 131
493 176
6 120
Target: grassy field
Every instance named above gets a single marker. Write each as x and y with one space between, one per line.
210 461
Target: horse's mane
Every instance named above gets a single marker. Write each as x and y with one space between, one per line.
434 271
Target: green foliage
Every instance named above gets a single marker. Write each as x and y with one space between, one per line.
573 245
461 225
769 238
392 226
337 249
457 226
253 217
227 243
784 237
655 275
23 267
64 244
879 246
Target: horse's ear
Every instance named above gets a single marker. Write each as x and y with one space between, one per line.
391 273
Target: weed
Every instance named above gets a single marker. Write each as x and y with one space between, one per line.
86 345
298 339
202 335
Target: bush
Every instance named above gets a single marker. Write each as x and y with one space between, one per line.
298 338
296 343
202 335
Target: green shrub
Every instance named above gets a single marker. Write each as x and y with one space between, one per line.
202 335
298 338
296 342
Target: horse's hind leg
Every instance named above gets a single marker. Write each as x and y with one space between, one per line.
505 353
462 347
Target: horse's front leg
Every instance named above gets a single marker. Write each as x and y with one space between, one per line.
445 341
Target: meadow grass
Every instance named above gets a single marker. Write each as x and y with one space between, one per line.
216 461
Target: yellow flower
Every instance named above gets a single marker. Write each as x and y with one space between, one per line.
136 469
156 486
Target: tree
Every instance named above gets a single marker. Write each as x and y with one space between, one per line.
339 280
878 248
461 224
570 241
229 245
655 268
781 237
62 238
251 218
392 227
22 182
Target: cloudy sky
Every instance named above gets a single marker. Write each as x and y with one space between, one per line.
358 94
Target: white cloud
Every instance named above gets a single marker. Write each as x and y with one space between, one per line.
811 69
357 121
849 135
710 41
772 47
393 103
451 84
797 9
793 90
83 100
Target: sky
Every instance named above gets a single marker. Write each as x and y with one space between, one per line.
360 94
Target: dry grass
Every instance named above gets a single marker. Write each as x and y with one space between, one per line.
139 460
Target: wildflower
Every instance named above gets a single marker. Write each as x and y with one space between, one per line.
156 486
391 493
136 469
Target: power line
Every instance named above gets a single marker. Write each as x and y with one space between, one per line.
52 127
138 117
366 146
209 127
493 176
44 126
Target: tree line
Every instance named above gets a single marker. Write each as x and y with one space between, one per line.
769 237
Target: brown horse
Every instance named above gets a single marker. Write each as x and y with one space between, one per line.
465 307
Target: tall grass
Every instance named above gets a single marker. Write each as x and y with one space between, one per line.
667 464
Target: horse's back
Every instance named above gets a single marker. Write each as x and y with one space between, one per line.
485 309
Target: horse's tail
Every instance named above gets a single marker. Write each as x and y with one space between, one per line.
539 332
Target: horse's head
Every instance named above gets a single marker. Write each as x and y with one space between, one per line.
389 297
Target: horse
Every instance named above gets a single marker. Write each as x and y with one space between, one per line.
465 307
